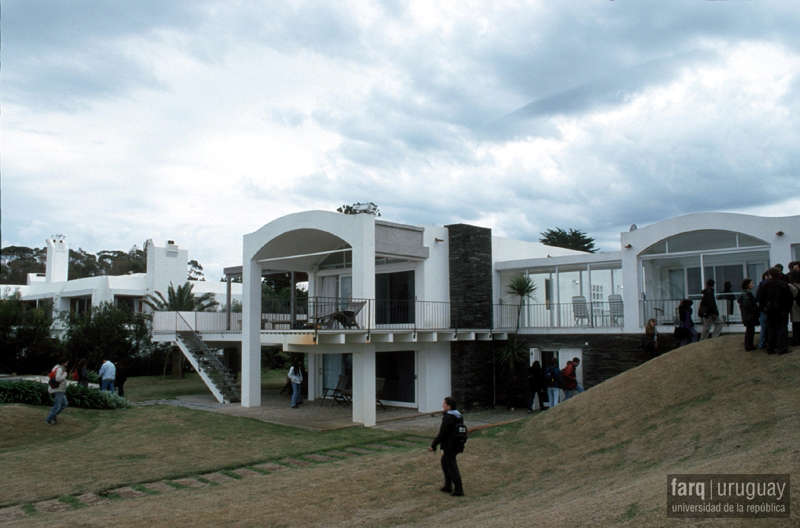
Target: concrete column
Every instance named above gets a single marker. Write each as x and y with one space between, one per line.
364 268
251 334
364 385
433 376
314 365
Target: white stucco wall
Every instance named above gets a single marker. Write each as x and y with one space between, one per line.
165 266
433 274
433 375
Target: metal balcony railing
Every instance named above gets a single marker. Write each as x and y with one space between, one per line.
322 314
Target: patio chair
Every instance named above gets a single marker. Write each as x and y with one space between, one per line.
616 309
378 390
580 310
346 318
346 396
335 392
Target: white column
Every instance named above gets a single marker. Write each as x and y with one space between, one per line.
251 334
364 385
314 365
364 267
433 376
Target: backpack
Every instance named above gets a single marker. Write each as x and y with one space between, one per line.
52 378
550 375
459 437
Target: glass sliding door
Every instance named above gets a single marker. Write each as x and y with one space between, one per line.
398 369
394 294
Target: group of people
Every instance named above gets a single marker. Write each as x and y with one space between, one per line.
547 384
109 375
772 305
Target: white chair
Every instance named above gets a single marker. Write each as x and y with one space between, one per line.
616 309
580 310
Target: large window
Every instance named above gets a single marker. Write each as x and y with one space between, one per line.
552 303
394 298
398 372
679 267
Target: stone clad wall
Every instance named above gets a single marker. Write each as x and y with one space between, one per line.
470 262
603 358
471 362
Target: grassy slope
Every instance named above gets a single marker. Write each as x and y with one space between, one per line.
99 450
599 459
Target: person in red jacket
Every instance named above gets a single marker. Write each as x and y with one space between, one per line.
59 392
570 379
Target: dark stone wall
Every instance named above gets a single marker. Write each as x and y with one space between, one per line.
470 276
471 373
604 357
470 261
473 381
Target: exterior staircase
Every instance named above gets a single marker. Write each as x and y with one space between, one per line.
220 381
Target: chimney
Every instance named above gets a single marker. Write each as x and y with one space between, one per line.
57 265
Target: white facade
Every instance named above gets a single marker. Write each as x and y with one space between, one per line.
399 275
165 265
656 267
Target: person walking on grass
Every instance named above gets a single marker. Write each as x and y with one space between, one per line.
296 377
107 374
59 393
450 419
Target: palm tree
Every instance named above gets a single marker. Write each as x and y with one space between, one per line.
181 299
523 287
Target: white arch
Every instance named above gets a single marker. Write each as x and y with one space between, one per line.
358 231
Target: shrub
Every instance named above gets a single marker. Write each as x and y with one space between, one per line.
35 393
28 392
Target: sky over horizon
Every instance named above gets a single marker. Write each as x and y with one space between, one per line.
199 121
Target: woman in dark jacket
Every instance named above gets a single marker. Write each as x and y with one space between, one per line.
83 373
750 313
689 334
537 385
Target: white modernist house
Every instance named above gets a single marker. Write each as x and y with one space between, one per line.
165 265
410 314
412 320
656 267
379 308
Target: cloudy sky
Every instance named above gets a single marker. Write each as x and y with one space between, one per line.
202 120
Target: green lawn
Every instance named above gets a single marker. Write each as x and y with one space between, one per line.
145 388
93 450
599 459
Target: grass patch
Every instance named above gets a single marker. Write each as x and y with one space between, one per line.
148 388
72 501
598 459
107 449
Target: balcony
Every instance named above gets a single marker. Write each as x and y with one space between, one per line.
314 316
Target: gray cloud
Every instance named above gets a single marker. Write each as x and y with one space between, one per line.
202 120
